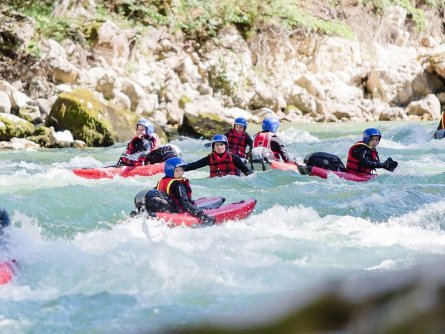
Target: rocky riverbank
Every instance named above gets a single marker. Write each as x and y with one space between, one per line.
89 86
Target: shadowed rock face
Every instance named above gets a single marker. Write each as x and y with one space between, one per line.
203 126
410 301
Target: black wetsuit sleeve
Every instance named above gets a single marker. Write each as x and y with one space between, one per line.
363 154
179 191
146 148
277 145
249 142
241 165
198 164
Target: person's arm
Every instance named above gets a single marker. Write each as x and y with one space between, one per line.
144 149
277 145
363 154
180 191
249 142
241 165
198 164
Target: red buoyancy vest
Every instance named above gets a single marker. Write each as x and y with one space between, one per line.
263 139
221 166
353 164
237 142
165 184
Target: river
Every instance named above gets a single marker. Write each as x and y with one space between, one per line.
85 266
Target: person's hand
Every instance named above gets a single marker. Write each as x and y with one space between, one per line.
390 164
207 220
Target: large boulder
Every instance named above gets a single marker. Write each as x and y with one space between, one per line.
91 120
84 115
5 103
204 117
203 125
17 98
12 126
427 108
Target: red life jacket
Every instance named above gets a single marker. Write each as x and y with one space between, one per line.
237 142
222 165
353 164
136 145
165 184
263 139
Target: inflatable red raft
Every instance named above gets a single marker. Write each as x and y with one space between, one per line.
281 165
124 171
320 172
6 271
324 173
213 207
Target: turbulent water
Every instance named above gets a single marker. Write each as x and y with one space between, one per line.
85 266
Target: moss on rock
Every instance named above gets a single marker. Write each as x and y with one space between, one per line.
84 115
204 125
183 101
41 136
12 126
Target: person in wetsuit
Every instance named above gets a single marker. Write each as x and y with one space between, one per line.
220 160
238 138
363 157
179 193
139 148
269 139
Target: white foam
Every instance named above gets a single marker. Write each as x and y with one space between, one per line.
293 135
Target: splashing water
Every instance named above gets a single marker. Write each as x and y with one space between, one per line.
86 266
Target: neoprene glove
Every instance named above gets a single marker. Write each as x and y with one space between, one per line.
390 164
206 219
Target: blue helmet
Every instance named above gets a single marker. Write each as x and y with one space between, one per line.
241 121
149 128
171 164
271 124
368 133
219 138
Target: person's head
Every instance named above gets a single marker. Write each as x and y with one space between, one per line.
174 167
372 137
240 124
144 127
219 143
270 124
